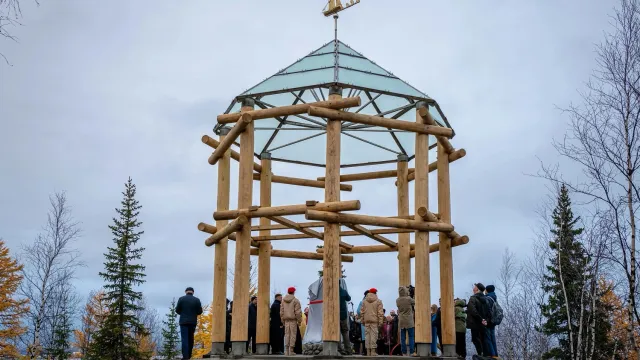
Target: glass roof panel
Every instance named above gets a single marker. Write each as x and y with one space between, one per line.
362 64
292 81
344 48
309 151
371 81
326 48
289 134
262 136
354 151
311 62
436 115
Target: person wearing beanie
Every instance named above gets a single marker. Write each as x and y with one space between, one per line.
252 324
372 314
291 315
276 327
362 329
188 307
405 320
492 299
461 327
477 316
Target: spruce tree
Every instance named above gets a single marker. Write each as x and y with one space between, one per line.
170 339
61 332
564 281
116 338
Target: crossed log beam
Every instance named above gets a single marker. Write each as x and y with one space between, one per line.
369 249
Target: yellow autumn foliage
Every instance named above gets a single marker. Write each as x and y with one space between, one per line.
11 309
202 337
619 333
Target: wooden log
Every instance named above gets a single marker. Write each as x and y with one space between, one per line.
239 327
379 121
301 182
312 233
366 232
428 119
219 307
367 249
291 109
423 283
376 221
342 233
331 263
310 224
235 225
233 134
210 229
366 176
264 258
287 210
446 255
436 247
458 154
300 255
426 215
234 155
404 261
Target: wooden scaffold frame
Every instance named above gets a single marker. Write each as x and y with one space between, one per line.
329 215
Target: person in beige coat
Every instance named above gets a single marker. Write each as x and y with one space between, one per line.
291 316
372 315
406 325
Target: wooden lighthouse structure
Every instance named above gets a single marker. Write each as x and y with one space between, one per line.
337 110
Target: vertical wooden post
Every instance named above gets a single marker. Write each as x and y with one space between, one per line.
404 260
446 258
239 327
264 260
331 261
219 328
423 282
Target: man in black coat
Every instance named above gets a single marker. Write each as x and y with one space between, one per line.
276 328
227 342
253 323
188 307
477 315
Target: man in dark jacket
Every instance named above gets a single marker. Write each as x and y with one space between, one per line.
477 316
188 307
253 324
344 320
227 342
491 327
276 328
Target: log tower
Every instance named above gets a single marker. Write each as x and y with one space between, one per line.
333 109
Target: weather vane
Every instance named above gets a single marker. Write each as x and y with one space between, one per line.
335 6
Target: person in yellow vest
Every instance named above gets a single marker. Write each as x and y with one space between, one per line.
372 315
291 316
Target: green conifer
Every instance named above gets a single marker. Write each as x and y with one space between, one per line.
170 339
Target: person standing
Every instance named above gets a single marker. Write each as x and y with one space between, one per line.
276 328
253 324
405 320
477 315
188 307
344 320
461 328
492 299
372 314
291 316
362 331
227 342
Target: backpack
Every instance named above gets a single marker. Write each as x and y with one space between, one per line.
495 311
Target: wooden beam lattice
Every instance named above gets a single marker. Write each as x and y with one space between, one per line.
287 209
294 226
366 232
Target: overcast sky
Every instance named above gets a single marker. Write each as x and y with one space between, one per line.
103 90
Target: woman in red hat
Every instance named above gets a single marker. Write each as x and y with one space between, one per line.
372 315
291 315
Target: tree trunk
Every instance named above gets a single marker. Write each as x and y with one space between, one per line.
566 299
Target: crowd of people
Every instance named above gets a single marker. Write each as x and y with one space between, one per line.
367 331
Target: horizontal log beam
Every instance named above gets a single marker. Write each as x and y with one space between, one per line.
230 228
290 110
376 221
301 182
342 233
428 119
369 249
294 226
208 140
426 215
310 224
380 121
367 175
287 210
366 232
209 229
436 247
300 255
228 140
458 154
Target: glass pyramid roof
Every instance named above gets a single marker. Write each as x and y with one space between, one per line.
325 66
302 139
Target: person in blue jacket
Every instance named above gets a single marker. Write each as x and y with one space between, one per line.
362 325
